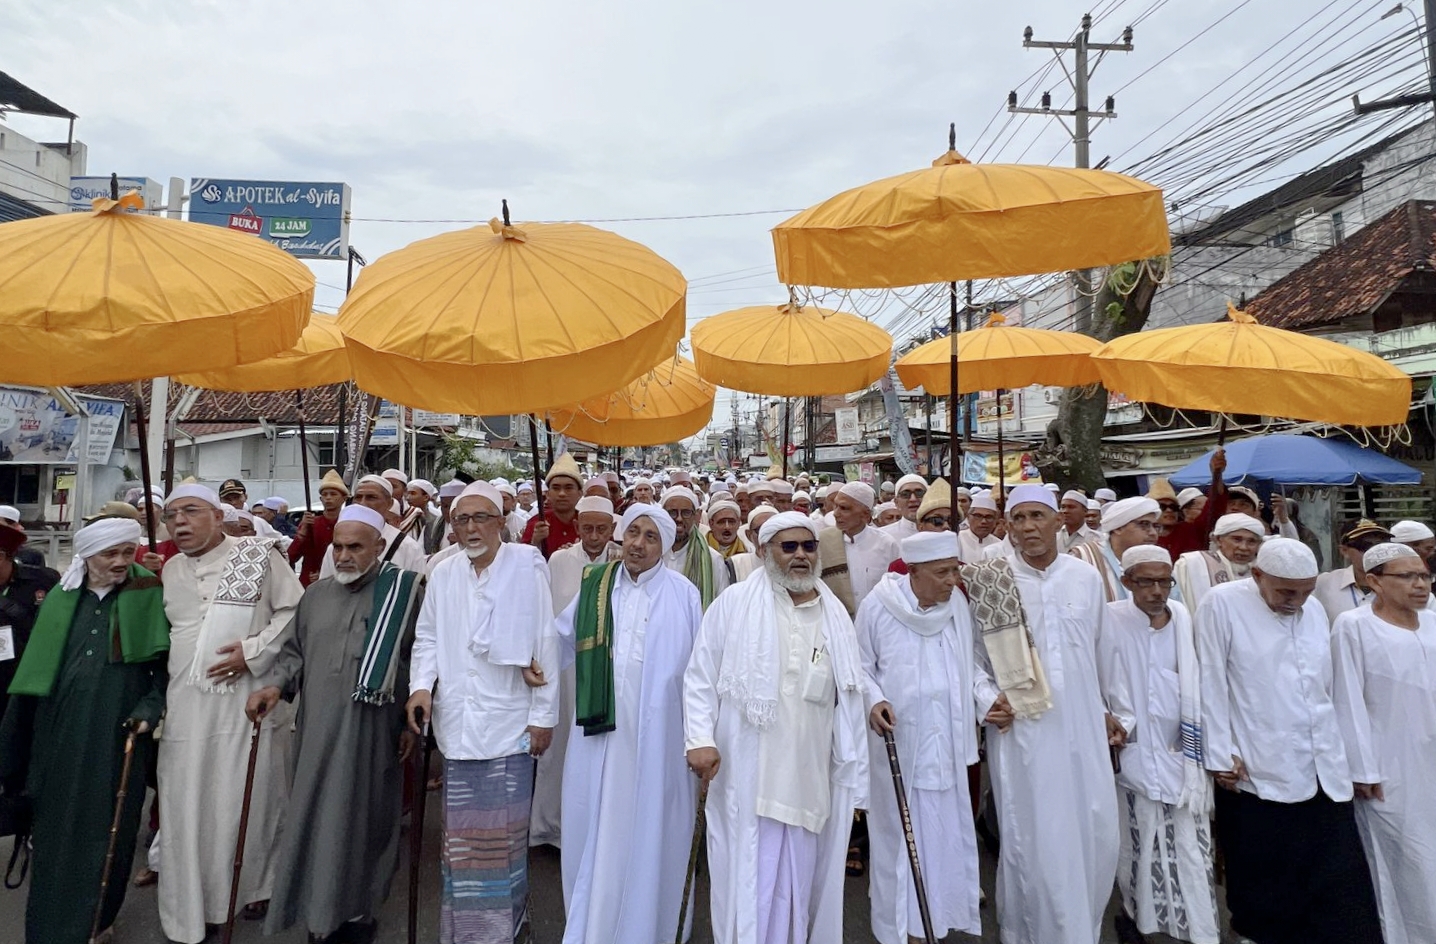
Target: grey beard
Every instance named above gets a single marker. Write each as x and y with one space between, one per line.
345 577
474 553
788 581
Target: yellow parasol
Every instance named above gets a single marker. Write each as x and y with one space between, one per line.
111 296
790 350
1240 366
668 404
318 360
998 356
507 319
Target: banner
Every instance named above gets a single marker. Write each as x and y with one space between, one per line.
903 453
845 419
1018 467
35 429
308 220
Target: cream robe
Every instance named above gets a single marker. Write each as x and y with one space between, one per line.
204 752
869 555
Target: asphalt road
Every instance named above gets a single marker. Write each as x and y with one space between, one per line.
138 922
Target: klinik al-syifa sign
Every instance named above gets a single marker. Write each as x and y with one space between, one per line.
308 220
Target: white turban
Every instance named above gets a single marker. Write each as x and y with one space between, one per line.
760 510
425 486
1145 554
718 506
505 488
781 487
362 514
860 492
377 480
453 488
1051 487
202 492
1227 524
274 503
881 507
1286 559
1119 513
643 480
1073 495
1022 494
983 502
1385 553
821 493
964 490
1105 495
1093 505
802 496
666 528
395 474
594 504
784 521
911 479
94 538
1188 495
1409 532
679 492
482 490
929 546
761 486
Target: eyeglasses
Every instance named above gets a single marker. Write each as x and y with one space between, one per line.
680 514
187 512
1415 578
480 518
791 547
1168 506
1147 583
938 521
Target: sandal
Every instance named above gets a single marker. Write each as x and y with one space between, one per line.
855 867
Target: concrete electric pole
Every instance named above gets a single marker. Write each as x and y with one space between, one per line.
1403 101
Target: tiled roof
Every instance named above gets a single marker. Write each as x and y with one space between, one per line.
321 404
1356 277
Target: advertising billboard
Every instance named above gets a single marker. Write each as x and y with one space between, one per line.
308 220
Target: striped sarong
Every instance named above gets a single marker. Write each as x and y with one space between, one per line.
486 846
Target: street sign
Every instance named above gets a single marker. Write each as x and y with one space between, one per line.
308 220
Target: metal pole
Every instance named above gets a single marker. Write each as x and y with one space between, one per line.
145 477
1001 466
538 472
954 444
787 432
303 451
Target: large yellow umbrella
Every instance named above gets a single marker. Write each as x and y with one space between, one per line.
665 405
790 350
998 356
111 296
318 360
1240 366
507 319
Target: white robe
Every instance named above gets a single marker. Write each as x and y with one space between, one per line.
1385 697
711 721
869 555
675 559
1052 776
204 752
899 529
928 680
628 796
409 556
970 549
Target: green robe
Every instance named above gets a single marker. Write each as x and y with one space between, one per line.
74 763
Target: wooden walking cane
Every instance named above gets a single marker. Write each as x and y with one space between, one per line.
416 826
243 829
114 829
692 870
917 882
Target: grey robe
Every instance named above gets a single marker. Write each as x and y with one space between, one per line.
340 845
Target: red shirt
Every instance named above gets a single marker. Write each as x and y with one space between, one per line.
560 533
312 548
1196 535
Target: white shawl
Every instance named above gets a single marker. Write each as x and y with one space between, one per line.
513 582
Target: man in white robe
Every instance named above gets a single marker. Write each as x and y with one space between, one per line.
690 554
1384 663
745 565
1151 680
907 499
1236 538
1050 766
1295 869
486 639
773 719
1346 588
915 636
229 602
374 492
1074 531
595 546
980 522
628 801
860 554
1126 523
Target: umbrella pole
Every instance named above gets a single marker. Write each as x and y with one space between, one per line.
787 432
145 476
538 473
954 445
303 450
1222 432
1001 466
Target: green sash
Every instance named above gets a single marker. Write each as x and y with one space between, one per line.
141 634
698 567
593 645
389 614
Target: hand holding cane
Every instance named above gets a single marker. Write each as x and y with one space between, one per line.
416 825
906 817
692 869
130 727
243 829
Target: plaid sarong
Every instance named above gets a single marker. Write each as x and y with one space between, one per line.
486 849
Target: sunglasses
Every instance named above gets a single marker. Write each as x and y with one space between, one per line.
791 547
938 521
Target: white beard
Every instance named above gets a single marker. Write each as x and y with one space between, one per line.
345 577
788 581
477 551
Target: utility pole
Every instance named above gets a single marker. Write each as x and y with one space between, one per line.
1403 101
1080 76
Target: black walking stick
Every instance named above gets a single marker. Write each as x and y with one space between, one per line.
692 870
416 826
114 829
906 817
243 829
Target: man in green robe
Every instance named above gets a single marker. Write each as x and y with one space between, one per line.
348 655
94 667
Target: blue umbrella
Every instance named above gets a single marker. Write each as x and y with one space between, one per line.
1299 460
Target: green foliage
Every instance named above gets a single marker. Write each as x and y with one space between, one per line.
460 454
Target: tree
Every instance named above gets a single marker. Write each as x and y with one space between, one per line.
1071 454
460 453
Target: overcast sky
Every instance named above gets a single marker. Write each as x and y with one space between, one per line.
618 109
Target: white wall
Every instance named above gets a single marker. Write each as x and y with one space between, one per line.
36 173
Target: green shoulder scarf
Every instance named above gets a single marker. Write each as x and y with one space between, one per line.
698 567
139 631
593 645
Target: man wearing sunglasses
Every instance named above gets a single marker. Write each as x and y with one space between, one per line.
774 718
1151 681
907 498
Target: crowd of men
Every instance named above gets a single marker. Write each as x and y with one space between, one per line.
1160 693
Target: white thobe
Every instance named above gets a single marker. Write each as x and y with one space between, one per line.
1266 696
1338 593
1194 572
674 560
926 674
899 529
1385 699
869 554
1067 540
565 570
970 549
481 709
1052 776
409 556
204 753
628 796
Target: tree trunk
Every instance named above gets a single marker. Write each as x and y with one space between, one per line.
1071 456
